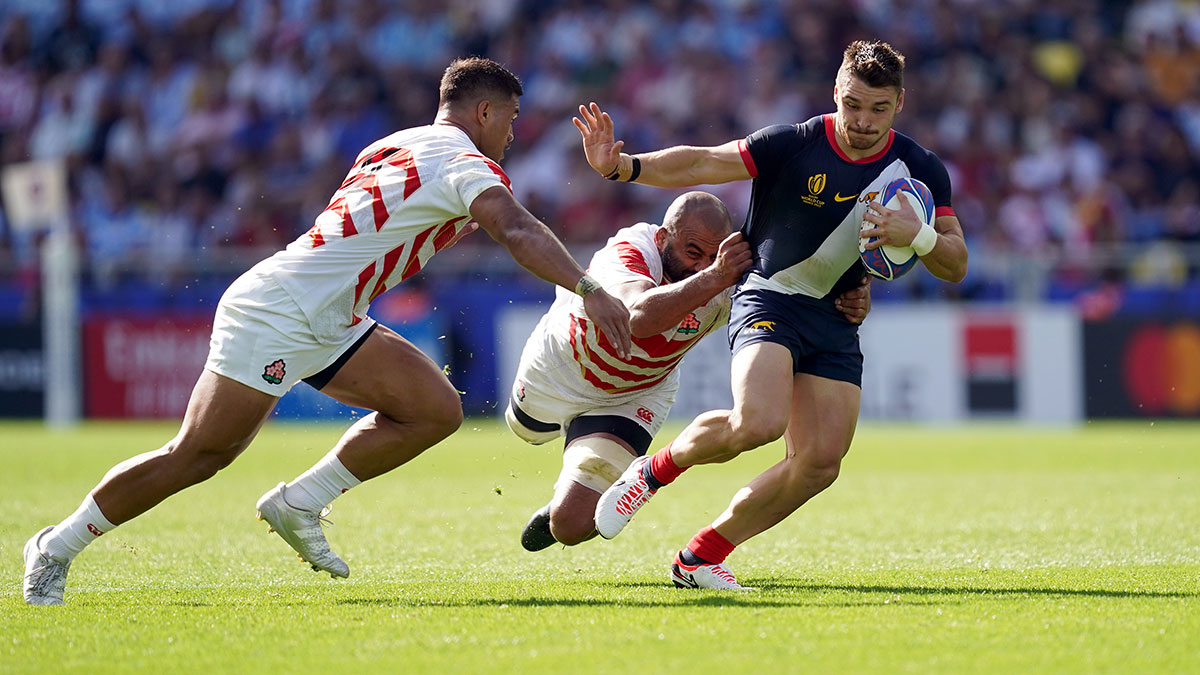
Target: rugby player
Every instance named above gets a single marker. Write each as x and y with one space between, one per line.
676 280
302 315
797 366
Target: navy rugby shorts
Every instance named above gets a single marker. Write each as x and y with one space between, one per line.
822 341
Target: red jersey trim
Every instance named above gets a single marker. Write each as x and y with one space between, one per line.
747 158
831 136
494 167
633 260
944 211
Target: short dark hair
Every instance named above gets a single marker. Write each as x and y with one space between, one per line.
875 62
476 78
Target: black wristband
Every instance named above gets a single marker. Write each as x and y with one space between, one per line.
637 170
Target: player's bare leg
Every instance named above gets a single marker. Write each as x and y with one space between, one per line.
222 417
415 407
590 465
571 513
824 417
761 376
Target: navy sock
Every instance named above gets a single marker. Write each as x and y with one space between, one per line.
648 476
691 559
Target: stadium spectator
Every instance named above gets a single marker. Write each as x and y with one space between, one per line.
1105 90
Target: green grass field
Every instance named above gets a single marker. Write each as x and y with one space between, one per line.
983 549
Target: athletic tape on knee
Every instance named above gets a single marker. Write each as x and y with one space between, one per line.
525 433
595 462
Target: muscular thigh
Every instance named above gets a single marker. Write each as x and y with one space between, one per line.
390 375
824 417
223 415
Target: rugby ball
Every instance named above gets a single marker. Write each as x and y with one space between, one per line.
891 262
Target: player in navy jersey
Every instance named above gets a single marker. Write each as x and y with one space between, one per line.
797 366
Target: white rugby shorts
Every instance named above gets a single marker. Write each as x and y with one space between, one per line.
557 394
262 339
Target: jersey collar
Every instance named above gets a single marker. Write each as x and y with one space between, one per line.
831 136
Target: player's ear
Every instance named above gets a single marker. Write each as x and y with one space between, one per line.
660 238
900 101
482 110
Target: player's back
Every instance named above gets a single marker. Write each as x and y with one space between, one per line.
406 197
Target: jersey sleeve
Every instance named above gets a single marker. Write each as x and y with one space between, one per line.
928 168
470 174
771 146
626 259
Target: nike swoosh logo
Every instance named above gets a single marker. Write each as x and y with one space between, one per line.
688 579
839 198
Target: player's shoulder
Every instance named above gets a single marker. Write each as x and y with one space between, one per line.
914 154
775 134
640 235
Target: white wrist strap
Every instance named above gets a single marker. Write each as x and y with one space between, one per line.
925 240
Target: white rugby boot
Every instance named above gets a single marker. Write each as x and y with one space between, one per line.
302 531
717 577
622 499
536 535
45 575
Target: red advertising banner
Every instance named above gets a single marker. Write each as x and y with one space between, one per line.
142 367
990 351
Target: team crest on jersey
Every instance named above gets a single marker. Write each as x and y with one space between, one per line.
869 197
689 324
816 185
520 390
765 326
274 373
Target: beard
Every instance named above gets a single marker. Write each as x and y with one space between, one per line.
673 268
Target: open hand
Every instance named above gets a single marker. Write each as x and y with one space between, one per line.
596 127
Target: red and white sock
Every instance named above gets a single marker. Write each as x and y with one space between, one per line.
316 488
72 535
708 546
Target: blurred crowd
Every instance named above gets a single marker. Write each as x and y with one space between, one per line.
200 135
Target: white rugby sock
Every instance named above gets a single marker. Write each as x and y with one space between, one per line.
81 528
314 489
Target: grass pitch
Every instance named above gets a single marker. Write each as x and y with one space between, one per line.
982 549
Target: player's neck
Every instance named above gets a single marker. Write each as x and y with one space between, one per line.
855 153
446 118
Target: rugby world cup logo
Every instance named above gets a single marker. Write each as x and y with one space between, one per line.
816 183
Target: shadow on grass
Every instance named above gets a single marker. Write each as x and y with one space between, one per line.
769 594
973 591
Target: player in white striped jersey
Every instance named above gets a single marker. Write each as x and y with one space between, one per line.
676 280
302 315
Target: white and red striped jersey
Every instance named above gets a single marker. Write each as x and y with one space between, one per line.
407 197
567 334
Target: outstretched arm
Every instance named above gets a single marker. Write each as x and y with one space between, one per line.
535 248
679 166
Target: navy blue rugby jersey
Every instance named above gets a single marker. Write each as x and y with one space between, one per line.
809 199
